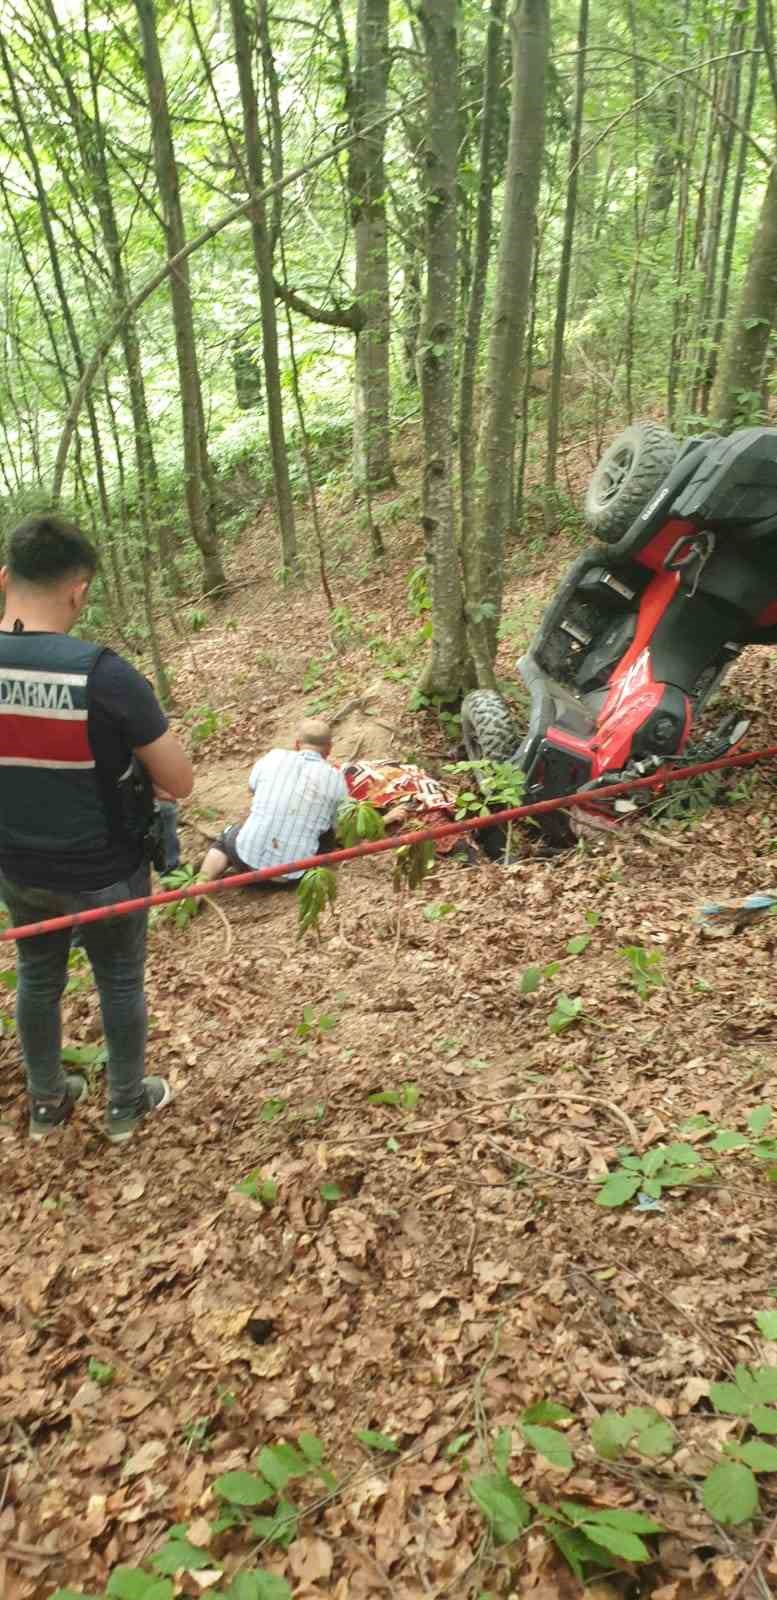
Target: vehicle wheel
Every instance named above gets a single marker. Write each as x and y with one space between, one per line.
487 727
628 474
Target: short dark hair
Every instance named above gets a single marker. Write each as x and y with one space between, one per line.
46 547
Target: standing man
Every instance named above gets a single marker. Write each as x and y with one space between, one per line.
83 746
296 797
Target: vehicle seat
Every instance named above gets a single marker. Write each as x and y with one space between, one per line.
734 486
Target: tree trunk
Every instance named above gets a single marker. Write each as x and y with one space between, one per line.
262 246
484 555
733 220
446 669
367 186
476 302
738 388
565 264
741 375
196 469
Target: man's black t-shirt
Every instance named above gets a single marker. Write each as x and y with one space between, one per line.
58 825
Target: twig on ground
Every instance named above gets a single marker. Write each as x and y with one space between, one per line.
225 920
655 1288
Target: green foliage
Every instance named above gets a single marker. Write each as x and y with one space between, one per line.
645 968
412 863
205 722
418 597
180 912
500 787
377 1441
257 1187
317 889
407 1097
100 1372
358 822
566 1012
533 977
315 1026
640 1429
437 909
662 1167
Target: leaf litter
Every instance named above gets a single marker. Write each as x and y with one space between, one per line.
455 1271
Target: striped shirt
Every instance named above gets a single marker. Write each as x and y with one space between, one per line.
297 795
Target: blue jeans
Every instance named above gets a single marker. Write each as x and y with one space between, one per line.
168 812
117 951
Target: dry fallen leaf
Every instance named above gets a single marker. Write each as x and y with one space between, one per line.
134 1190
310 1559
145 1458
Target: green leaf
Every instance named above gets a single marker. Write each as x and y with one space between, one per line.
610 1435
312 1448
682 1155
730 1494
178 1555
280 1462
727 1139
258 1586
577 1550
331 1192
243 1488
631 1521
127 1583
505 1509
547 1411
761 1457
565 1012
764 1419
502 1448
280 1528
767 1322
578 944
656 1440
618 1188
764 1383
385 1097
730 1399
410 1096
376 1441
458 1444
437 909
550 1444
531 980
270 1109
653 1160
617 1540
100 1372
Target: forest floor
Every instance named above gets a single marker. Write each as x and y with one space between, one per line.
159 1327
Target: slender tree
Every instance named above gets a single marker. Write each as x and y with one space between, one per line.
484 554
262 247
565 264
446 670
482 253
199 498
367 190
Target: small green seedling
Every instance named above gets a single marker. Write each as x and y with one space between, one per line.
565 1013
313 1026
533 977
317 890
645 968
101 1372
358 823
257 1187
407 1097
663 1167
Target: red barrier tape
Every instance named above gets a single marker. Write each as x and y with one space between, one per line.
377 846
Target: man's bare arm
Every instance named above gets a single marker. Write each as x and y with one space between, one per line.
168 766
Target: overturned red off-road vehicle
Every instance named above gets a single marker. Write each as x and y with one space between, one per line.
640 633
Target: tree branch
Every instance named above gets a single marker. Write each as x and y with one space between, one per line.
351 317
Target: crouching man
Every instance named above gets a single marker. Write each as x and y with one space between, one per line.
296 797
83 746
